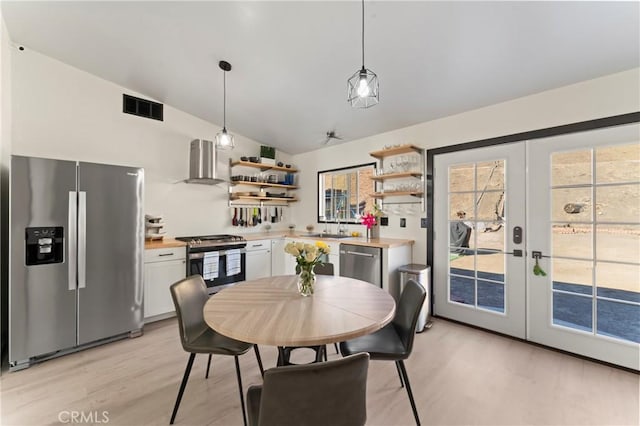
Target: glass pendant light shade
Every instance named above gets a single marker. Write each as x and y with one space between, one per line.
362 89
224 139
362 86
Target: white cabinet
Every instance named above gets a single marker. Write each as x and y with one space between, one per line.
162 267
278 257
289 261
258 259
334 256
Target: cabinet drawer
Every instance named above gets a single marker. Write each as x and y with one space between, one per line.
162 254
258 245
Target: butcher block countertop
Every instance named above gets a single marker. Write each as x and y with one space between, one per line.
358 241
164 243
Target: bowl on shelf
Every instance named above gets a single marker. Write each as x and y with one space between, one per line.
244 158
288 166
280 164
254 159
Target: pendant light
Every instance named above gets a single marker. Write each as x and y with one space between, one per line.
224 139
363 85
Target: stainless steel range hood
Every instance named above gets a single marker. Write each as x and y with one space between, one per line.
202 163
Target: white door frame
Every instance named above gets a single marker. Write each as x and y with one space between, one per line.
601 123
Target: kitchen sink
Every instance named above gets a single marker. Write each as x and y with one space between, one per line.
323 235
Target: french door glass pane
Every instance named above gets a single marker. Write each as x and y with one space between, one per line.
619 279
618 203
462 290
618 242
573 310
490 175
621 320
462 177
490 206
571 240
571 168
461 202
571 205
619 163
491 296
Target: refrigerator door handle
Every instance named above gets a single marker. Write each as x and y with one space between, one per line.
82 239
72 241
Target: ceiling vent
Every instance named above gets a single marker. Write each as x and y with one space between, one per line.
142 107
202 163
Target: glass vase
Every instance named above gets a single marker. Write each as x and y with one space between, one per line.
306 280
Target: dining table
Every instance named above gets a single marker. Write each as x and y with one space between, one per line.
270 311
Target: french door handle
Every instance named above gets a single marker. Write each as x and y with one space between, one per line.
515 253
538 255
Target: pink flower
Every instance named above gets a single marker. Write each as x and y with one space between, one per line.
368 220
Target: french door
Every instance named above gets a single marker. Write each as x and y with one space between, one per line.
580 219
479 200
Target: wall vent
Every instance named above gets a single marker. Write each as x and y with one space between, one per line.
142 107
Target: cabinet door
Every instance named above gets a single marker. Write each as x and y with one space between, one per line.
258 264
158 277
278 257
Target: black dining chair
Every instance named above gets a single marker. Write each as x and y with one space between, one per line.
328 393
189 297
284 353
394 342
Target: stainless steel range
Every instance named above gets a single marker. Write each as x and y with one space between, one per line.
220 259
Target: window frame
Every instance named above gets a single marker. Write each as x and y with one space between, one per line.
320 190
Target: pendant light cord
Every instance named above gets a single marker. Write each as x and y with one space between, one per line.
224 100
362 33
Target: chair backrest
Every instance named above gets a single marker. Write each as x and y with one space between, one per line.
323 269
325 393
408 312
320 269
189 297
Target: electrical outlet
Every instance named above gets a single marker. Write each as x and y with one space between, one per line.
403 222
424 222
384 221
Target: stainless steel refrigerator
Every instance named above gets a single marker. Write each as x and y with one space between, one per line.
77 241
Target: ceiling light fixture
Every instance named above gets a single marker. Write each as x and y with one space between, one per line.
224 139
363 85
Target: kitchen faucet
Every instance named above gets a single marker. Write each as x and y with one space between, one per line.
341 230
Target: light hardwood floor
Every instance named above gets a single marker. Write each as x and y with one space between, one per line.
459 375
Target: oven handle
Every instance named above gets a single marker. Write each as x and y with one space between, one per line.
221 253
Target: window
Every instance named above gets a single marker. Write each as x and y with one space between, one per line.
343 194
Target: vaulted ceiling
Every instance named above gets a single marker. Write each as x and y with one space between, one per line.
291 60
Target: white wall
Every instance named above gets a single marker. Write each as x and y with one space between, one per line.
63 112
5 150
607 96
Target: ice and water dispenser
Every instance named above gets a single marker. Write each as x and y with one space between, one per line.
419 273
44 245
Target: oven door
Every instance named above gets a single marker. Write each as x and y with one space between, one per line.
219 267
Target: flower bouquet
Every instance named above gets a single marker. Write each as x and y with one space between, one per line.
307 257
370 220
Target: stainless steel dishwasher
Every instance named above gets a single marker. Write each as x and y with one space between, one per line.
361 262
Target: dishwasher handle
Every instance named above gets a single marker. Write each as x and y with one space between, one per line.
357 253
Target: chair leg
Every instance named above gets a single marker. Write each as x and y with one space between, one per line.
244 413
182 386
206 376
325 353
259 359
335 345
408 386
399 375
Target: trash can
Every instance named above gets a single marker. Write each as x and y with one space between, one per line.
421 274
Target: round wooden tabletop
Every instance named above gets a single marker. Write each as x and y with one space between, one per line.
270 311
